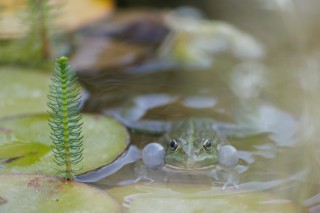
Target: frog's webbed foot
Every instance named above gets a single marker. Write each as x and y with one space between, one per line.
141 175
225 177
231 181
225 173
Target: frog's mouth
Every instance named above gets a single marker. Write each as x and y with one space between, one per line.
186 169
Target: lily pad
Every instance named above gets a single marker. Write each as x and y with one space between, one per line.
38 193
197 198
22 92
25 144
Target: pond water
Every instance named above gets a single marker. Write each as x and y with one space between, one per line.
254 66
275 94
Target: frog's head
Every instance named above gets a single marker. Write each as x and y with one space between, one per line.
191 153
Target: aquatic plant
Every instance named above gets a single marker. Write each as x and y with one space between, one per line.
65 118
34 48
39 20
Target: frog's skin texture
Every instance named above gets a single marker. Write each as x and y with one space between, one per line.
191 147
191 144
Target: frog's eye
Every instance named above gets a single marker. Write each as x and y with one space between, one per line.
207 145
173 145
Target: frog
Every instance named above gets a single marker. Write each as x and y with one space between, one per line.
184 145
191 146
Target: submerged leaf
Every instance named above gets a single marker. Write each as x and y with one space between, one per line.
198 198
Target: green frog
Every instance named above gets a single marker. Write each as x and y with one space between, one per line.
191 146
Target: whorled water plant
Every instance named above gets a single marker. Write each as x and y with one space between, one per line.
40 13
32 45
65 118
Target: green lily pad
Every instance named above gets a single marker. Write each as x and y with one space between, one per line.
197 198
22 92
38 193
25 146
22 154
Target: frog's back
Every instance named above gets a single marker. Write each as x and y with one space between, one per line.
193 128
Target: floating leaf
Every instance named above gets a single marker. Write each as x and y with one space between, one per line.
105 139
38 193
22 154
22 92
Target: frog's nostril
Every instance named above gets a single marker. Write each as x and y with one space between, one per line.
189 163
182 152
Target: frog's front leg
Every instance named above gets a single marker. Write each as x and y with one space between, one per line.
225 172
225 176
141 173
152 160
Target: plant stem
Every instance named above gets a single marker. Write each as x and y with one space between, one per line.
64 100
65 124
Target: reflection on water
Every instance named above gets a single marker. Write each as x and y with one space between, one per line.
276 95
313 203
197 198
133 154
